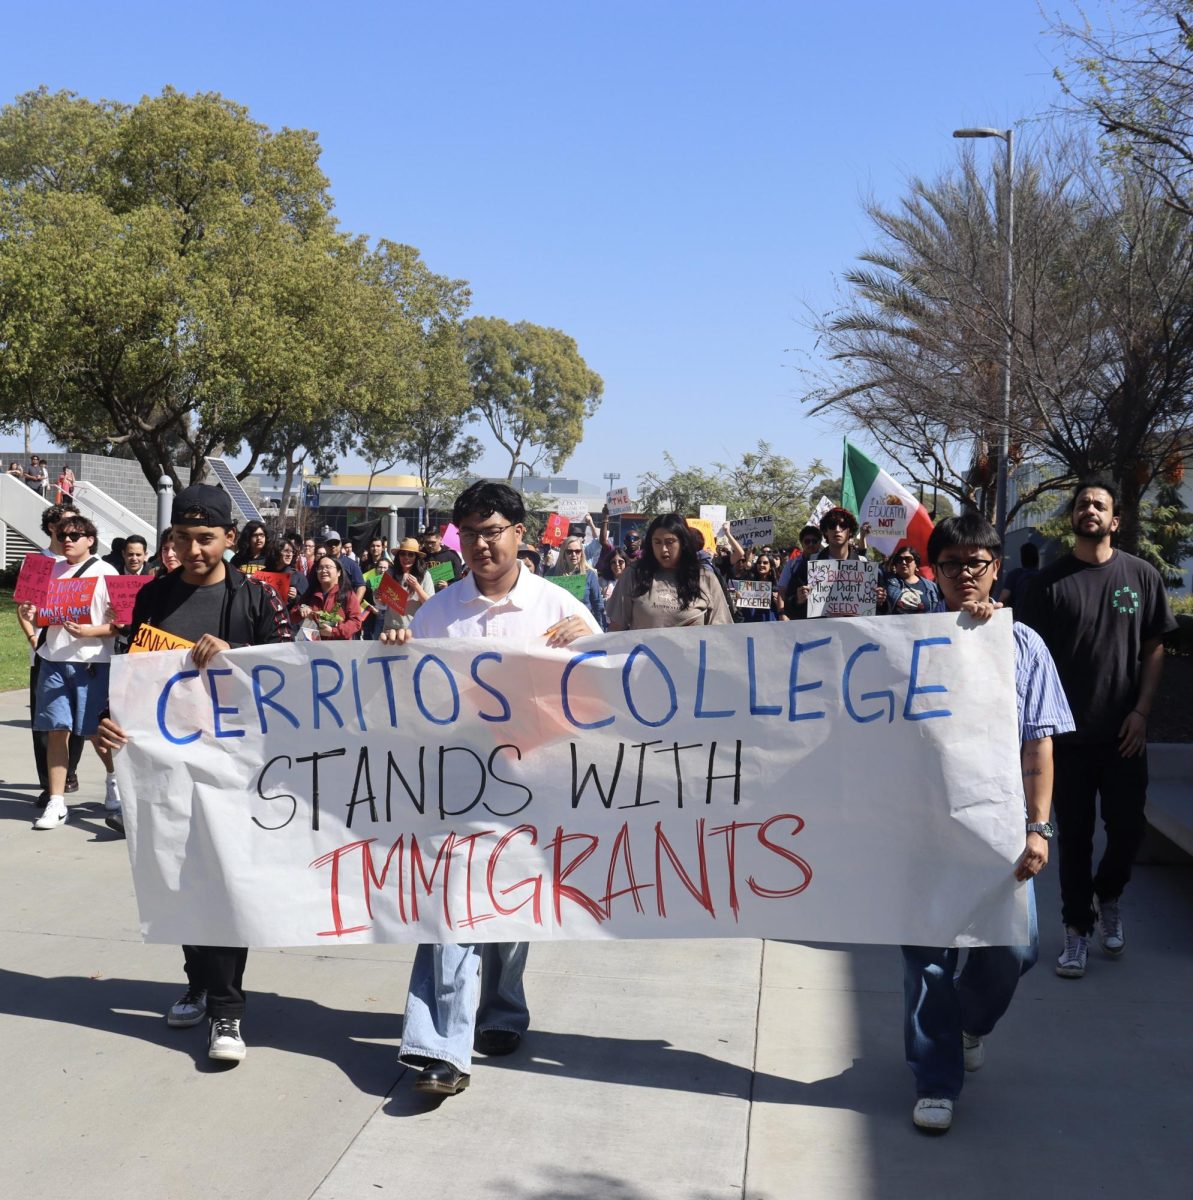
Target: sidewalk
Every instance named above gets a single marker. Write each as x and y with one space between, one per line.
653 1070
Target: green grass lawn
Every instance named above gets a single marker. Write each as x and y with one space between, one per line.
14 650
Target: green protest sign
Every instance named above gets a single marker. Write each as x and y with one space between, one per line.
576 584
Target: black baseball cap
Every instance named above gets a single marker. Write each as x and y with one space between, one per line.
201 504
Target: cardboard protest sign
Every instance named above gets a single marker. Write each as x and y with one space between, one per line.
571 507
451 538
751 593
709 534
822 506
845 587
122 594
149 639
391 594
619 501
714 514
278 580
443 572
753 531
576 584
33 579
556 529
714 782
66 600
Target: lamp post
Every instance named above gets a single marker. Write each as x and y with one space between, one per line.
1008 221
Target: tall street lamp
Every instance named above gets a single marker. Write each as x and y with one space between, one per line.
1008 220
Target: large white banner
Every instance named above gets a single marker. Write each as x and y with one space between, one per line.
848 781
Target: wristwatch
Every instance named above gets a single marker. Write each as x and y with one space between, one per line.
1044 828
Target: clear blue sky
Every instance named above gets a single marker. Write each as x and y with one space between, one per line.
676 185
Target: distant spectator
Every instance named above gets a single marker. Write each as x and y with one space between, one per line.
1014 587
35 475
66 484
135 556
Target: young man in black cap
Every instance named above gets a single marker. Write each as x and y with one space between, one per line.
216 608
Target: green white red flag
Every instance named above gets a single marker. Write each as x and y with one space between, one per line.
894 514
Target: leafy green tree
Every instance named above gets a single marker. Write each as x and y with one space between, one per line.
531 387
171 278
420 400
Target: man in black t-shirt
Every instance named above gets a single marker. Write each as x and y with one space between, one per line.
1103 614
435 552
216 607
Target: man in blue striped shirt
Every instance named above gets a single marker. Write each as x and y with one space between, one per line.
945 1020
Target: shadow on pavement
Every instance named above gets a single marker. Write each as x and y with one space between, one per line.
135 1008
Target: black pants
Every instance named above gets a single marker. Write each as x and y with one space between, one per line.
219 970
40 737
1083 772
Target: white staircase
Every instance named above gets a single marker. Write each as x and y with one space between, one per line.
21 509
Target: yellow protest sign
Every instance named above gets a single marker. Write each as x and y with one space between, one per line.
150 638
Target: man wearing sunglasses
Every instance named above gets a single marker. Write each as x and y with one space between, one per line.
946 1015
838 527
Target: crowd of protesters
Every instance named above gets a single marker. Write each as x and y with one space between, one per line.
1088 655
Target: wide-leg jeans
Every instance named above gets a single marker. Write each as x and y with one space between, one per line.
937 1007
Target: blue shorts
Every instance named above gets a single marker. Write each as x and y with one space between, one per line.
70 696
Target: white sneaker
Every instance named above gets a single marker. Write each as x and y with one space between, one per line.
933 1115
1110 927
1071 963
974 1050
226 1043
54 814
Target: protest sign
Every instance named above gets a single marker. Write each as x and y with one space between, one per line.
576 584
122 594
66 600
715 514
619 501
706 530
704 783
556 529
845 587
443 572
391 594
451 538
278 580
822 506
149 639
751 593
572 507
753 531
33 579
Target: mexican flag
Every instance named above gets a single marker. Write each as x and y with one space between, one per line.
895 515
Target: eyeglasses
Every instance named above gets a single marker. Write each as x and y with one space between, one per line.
470 537
73 535
951 568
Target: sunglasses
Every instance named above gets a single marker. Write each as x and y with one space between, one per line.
73 535
904 558
837 525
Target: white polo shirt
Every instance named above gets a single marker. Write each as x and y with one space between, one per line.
524 614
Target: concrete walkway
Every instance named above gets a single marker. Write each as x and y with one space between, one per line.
654 1070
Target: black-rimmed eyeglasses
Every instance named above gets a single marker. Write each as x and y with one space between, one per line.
977 567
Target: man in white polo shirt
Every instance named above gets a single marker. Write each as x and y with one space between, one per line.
456 990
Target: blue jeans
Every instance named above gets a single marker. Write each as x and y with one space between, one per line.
936 1008
454 990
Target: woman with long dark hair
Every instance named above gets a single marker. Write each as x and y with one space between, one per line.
250 548
666 585
333 604
279 557
410 570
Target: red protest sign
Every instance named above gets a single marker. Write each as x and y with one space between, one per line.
122 593
67 600
278 580
34 578
556 529
392 594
